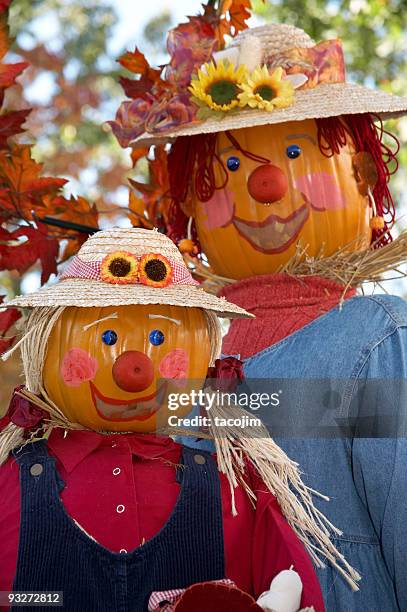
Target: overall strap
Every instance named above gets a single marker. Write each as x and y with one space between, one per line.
39 478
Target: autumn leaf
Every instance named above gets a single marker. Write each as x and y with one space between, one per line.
9 73
138 153
20 179
239 12
4 34
7 318
135 62
23 254
77 210
137 214
10 125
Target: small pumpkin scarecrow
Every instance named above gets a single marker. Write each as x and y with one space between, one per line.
281 179
110 511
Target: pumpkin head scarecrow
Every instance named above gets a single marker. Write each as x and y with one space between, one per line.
105 492
281 180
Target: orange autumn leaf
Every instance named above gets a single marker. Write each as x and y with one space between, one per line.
135 62
239 13
137 212
77 210
4 35
137 154
20 179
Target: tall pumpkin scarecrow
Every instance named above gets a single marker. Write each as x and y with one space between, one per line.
281 180
98 504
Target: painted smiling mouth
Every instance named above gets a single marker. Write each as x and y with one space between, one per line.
121 410
275 234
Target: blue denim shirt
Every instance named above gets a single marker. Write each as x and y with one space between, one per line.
365 478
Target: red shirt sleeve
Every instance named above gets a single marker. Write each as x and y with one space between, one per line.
276 547
9 523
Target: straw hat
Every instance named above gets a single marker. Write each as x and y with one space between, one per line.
118 267
318 70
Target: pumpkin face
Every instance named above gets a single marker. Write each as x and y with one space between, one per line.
301 199
116 374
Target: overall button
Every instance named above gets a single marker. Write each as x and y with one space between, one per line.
199 459
122 550
116 471
36 469
120 508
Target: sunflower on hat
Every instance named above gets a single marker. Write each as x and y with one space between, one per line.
217 87
266 91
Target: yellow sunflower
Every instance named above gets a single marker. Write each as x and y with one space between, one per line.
155 270
119 268
266 91
217 86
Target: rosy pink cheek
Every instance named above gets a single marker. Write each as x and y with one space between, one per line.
218 210
321 191
175 365
77 367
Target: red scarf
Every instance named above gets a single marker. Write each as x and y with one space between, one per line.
282 305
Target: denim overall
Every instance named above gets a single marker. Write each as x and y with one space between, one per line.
56 555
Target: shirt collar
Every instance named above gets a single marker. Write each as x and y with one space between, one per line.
74 445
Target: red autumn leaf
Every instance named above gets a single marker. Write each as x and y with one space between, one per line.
10 125
136 89
7 318
38 246
9 73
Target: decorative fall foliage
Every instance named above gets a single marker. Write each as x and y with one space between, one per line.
26 197
159 97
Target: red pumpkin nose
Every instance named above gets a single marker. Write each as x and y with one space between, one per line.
267 183
133 371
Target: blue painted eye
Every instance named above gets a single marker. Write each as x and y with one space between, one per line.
156 337
293 151
233 163
109 337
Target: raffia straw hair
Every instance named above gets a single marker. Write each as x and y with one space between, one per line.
282 477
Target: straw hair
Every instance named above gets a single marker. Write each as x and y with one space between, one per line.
324 100
346 266
83 292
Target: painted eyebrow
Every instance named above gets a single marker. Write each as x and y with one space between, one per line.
226 149
295 136
156 316
114 315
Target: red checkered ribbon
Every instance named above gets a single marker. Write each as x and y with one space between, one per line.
91 270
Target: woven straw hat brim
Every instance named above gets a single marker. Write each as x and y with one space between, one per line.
87 293
326 100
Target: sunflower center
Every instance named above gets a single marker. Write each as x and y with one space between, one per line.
266 92
155 270
223 92
119 267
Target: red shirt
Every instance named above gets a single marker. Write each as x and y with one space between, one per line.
121 489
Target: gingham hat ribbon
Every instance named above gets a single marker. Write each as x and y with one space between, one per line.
124 268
